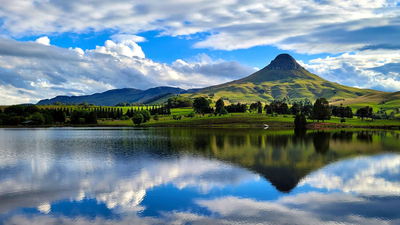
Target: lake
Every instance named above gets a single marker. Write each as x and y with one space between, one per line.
198 176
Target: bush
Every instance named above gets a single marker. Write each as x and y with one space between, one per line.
300 122
125 118
38 118
1 122
138 119
82 120
92 118
156 117
191 115
223 111
343 120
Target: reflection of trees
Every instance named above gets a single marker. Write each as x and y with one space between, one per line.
343 136
366 136
321 141
282 157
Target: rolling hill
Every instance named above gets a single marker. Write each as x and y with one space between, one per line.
113 97
281 78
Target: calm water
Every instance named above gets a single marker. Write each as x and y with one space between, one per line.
198 176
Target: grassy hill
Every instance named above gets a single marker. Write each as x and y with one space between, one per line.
384 100
283 77
113 97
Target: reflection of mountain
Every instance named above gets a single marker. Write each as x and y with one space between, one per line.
284 157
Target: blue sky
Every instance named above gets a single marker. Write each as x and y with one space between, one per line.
50 48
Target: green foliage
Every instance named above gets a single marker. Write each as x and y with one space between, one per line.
321 110
82 121
201 104
92 118
146 115
156 117
223 111
300 121
191 114
48 119
343 120
138 119
77 116
219 105
38 118
179 102
365 112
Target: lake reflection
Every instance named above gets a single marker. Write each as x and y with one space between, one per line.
205 176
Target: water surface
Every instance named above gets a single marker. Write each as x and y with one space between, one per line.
205 176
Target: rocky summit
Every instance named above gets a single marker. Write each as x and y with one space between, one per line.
284 62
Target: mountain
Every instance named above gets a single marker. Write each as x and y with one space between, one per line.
113 97
281 78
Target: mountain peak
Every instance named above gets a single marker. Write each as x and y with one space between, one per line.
284 62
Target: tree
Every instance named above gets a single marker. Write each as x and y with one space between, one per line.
223 111
48 119
300 121
92 118
191 114
156 117
365 112
38 118
146 115
200 104
137 119
321 110
179 102
295 108
219 105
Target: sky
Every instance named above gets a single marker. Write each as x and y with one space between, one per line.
56 47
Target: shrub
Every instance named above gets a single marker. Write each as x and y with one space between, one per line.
300 122
223 111
156 117
343 120
138 119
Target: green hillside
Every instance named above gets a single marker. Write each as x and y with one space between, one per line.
283 77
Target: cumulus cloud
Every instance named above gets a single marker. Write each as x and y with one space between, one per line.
43 40
378 69
305 26
30 71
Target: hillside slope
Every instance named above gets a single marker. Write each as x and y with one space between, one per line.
113 97
282 77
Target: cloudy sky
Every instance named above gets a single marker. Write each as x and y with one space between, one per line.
56 47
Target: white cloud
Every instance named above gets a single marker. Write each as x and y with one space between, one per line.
363 176
30 71
366 69
305 26
43 40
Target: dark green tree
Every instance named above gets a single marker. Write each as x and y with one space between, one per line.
146 115
38 118
137 119
219 105
223 111
92 118
200 104
321 110
300 121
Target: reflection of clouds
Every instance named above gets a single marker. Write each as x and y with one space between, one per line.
300 209
121 185
368 176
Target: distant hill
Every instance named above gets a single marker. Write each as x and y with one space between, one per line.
113 97
281 78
